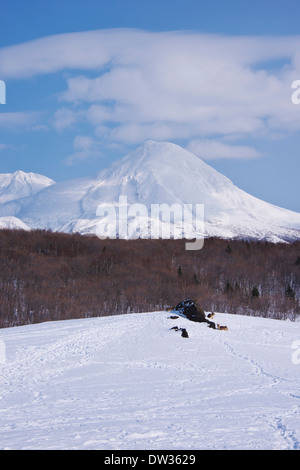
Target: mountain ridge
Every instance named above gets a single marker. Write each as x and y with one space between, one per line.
155 173
20 184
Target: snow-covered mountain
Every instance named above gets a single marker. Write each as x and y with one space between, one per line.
156 173
15 189
18 185
13 223
130 382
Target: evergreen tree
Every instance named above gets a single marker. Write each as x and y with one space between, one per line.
289 292
297 262
228 288
255 292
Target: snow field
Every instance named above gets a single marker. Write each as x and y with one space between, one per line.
130 382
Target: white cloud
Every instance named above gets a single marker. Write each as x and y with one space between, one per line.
64 118
85 148
54 53
18 119
168 86
212 150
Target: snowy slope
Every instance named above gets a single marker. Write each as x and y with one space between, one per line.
158 173
16 187
57 205
130 382
20 184
13 223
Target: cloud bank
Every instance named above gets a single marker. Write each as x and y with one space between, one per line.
131 85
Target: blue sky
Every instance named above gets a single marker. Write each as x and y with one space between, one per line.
87 81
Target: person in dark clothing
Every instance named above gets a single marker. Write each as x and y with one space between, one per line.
192 311
184 333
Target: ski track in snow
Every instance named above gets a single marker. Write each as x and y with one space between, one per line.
130 382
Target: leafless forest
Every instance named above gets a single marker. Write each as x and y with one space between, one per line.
48 276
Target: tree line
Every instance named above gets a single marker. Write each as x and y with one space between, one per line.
47 276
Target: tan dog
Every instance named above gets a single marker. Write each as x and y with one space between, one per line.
211 315
224 328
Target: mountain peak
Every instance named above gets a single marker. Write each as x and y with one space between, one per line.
19 173
165 162
153 149
171 166
20 184
160 173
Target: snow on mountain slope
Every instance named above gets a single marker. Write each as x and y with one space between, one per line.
158 173
13 223
57 205
130 382
20 184
16 187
